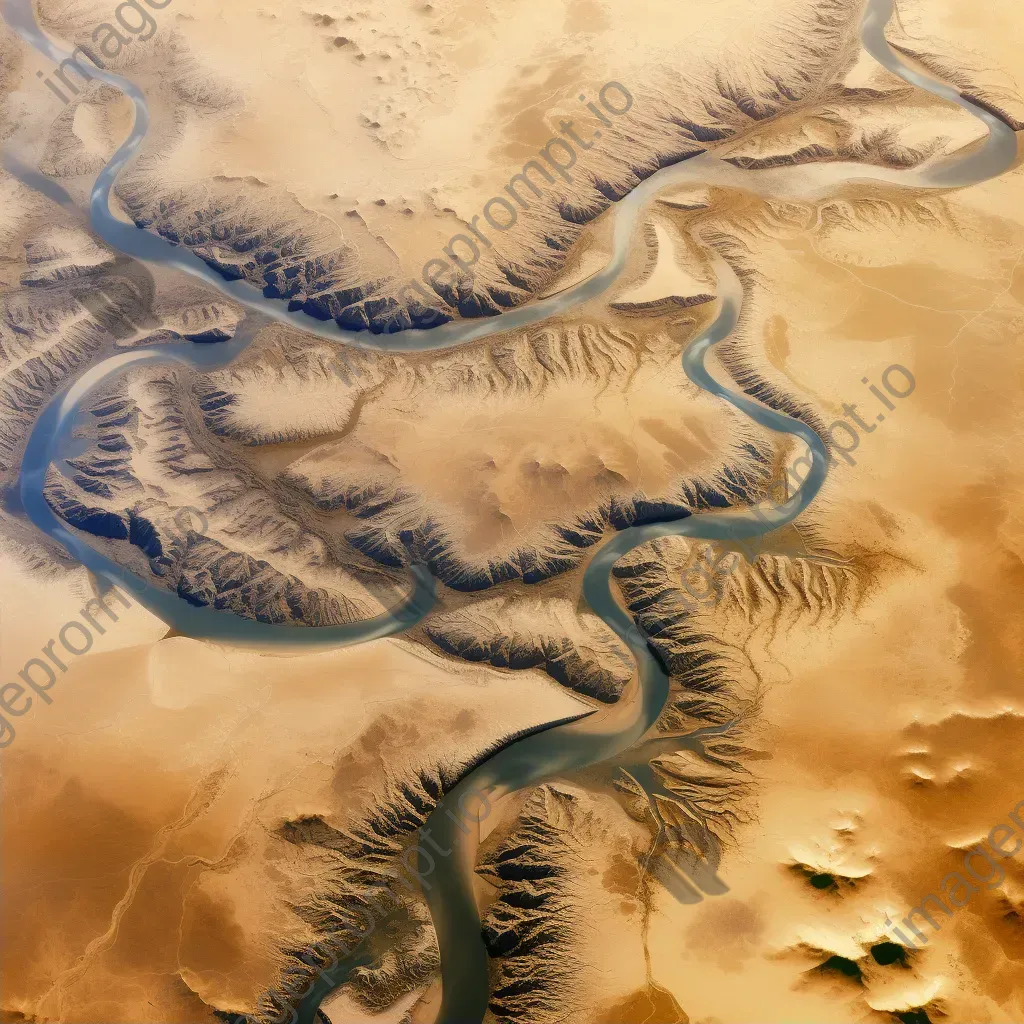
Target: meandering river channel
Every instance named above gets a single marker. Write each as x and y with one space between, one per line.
585 741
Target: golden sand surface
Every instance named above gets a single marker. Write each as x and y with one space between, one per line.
889 721
185 821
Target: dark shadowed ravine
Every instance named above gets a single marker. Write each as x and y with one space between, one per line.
598 736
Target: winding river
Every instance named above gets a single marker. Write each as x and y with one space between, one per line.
593 738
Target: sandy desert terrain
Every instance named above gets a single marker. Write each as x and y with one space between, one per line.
511 514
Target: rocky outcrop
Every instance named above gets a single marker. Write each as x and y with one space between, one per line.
577 651
245 228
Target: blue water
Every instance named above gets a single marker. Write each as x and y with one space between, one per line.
594 738
49 442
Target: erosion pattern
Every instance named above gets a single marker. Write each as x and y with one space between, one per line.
501 467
